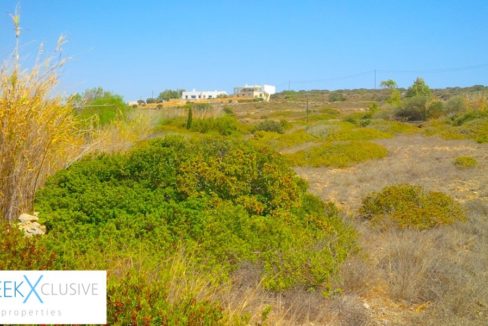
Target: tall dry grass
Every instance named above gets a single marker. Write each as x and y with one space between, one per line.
38 132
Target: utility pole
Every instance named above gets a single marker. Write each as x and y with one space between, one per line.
375 79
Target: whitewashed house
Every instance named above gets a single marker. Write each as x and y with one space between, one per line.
201 95
255 91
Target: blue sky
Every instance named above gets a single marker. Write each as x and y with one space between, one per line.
135 48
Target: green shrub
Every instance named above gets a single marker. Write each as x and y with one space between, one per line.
455 105
104 106
469 126
435 110
393 127
271 125
409 206
280 141
338 154
325 113
228 110
354 131
225 201
18 252
414 109
464 162
226 125
460 119
336 97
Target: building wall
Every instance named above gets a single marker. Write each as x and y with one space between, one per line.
255 91
201 95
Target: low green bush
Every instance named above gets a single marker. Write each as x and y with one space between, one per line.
470 126
464 162
280 141
271 125
410 206
413 109
226 125
225 202
348 131
393 127
336 96
338 154
18 252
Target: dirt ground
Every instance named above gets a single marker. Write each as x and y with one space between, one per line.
426 161
450 262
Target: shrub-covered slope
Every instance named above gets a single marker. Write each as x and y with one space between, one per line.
225 202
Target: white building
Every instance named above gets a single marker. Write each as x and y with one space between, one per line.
255 91
201 95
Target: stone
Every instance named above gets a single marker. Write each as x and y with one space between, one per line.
29 225
24 218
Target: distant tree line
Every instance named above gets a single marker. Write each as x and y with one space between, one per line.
166 95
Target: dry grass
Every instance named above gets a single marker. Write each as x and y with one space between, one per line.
119 136
432 277
293 307
435 276
410 277
425 161
38 134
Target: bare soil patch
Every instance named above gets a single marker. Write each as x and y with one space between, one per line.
426 161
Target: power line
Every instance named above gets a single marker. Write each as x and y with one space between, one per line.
374 72
437 70
328 79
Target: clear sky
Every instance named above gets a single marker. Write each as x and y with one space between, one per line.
135 48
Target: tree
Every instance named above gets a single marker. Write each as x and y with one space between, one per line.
390 84
169 94
419 88
104 105
414 109
189 119
395 98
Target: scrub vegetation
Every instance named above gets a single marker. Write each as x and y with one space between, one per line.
346 207
408 206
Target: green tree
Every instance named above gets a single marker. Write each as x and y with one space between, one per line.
395 98
390 84
169 94
419 88
104 105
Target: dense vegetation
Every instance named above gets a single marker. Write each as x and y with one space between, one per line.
409 206
224 201
102 106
